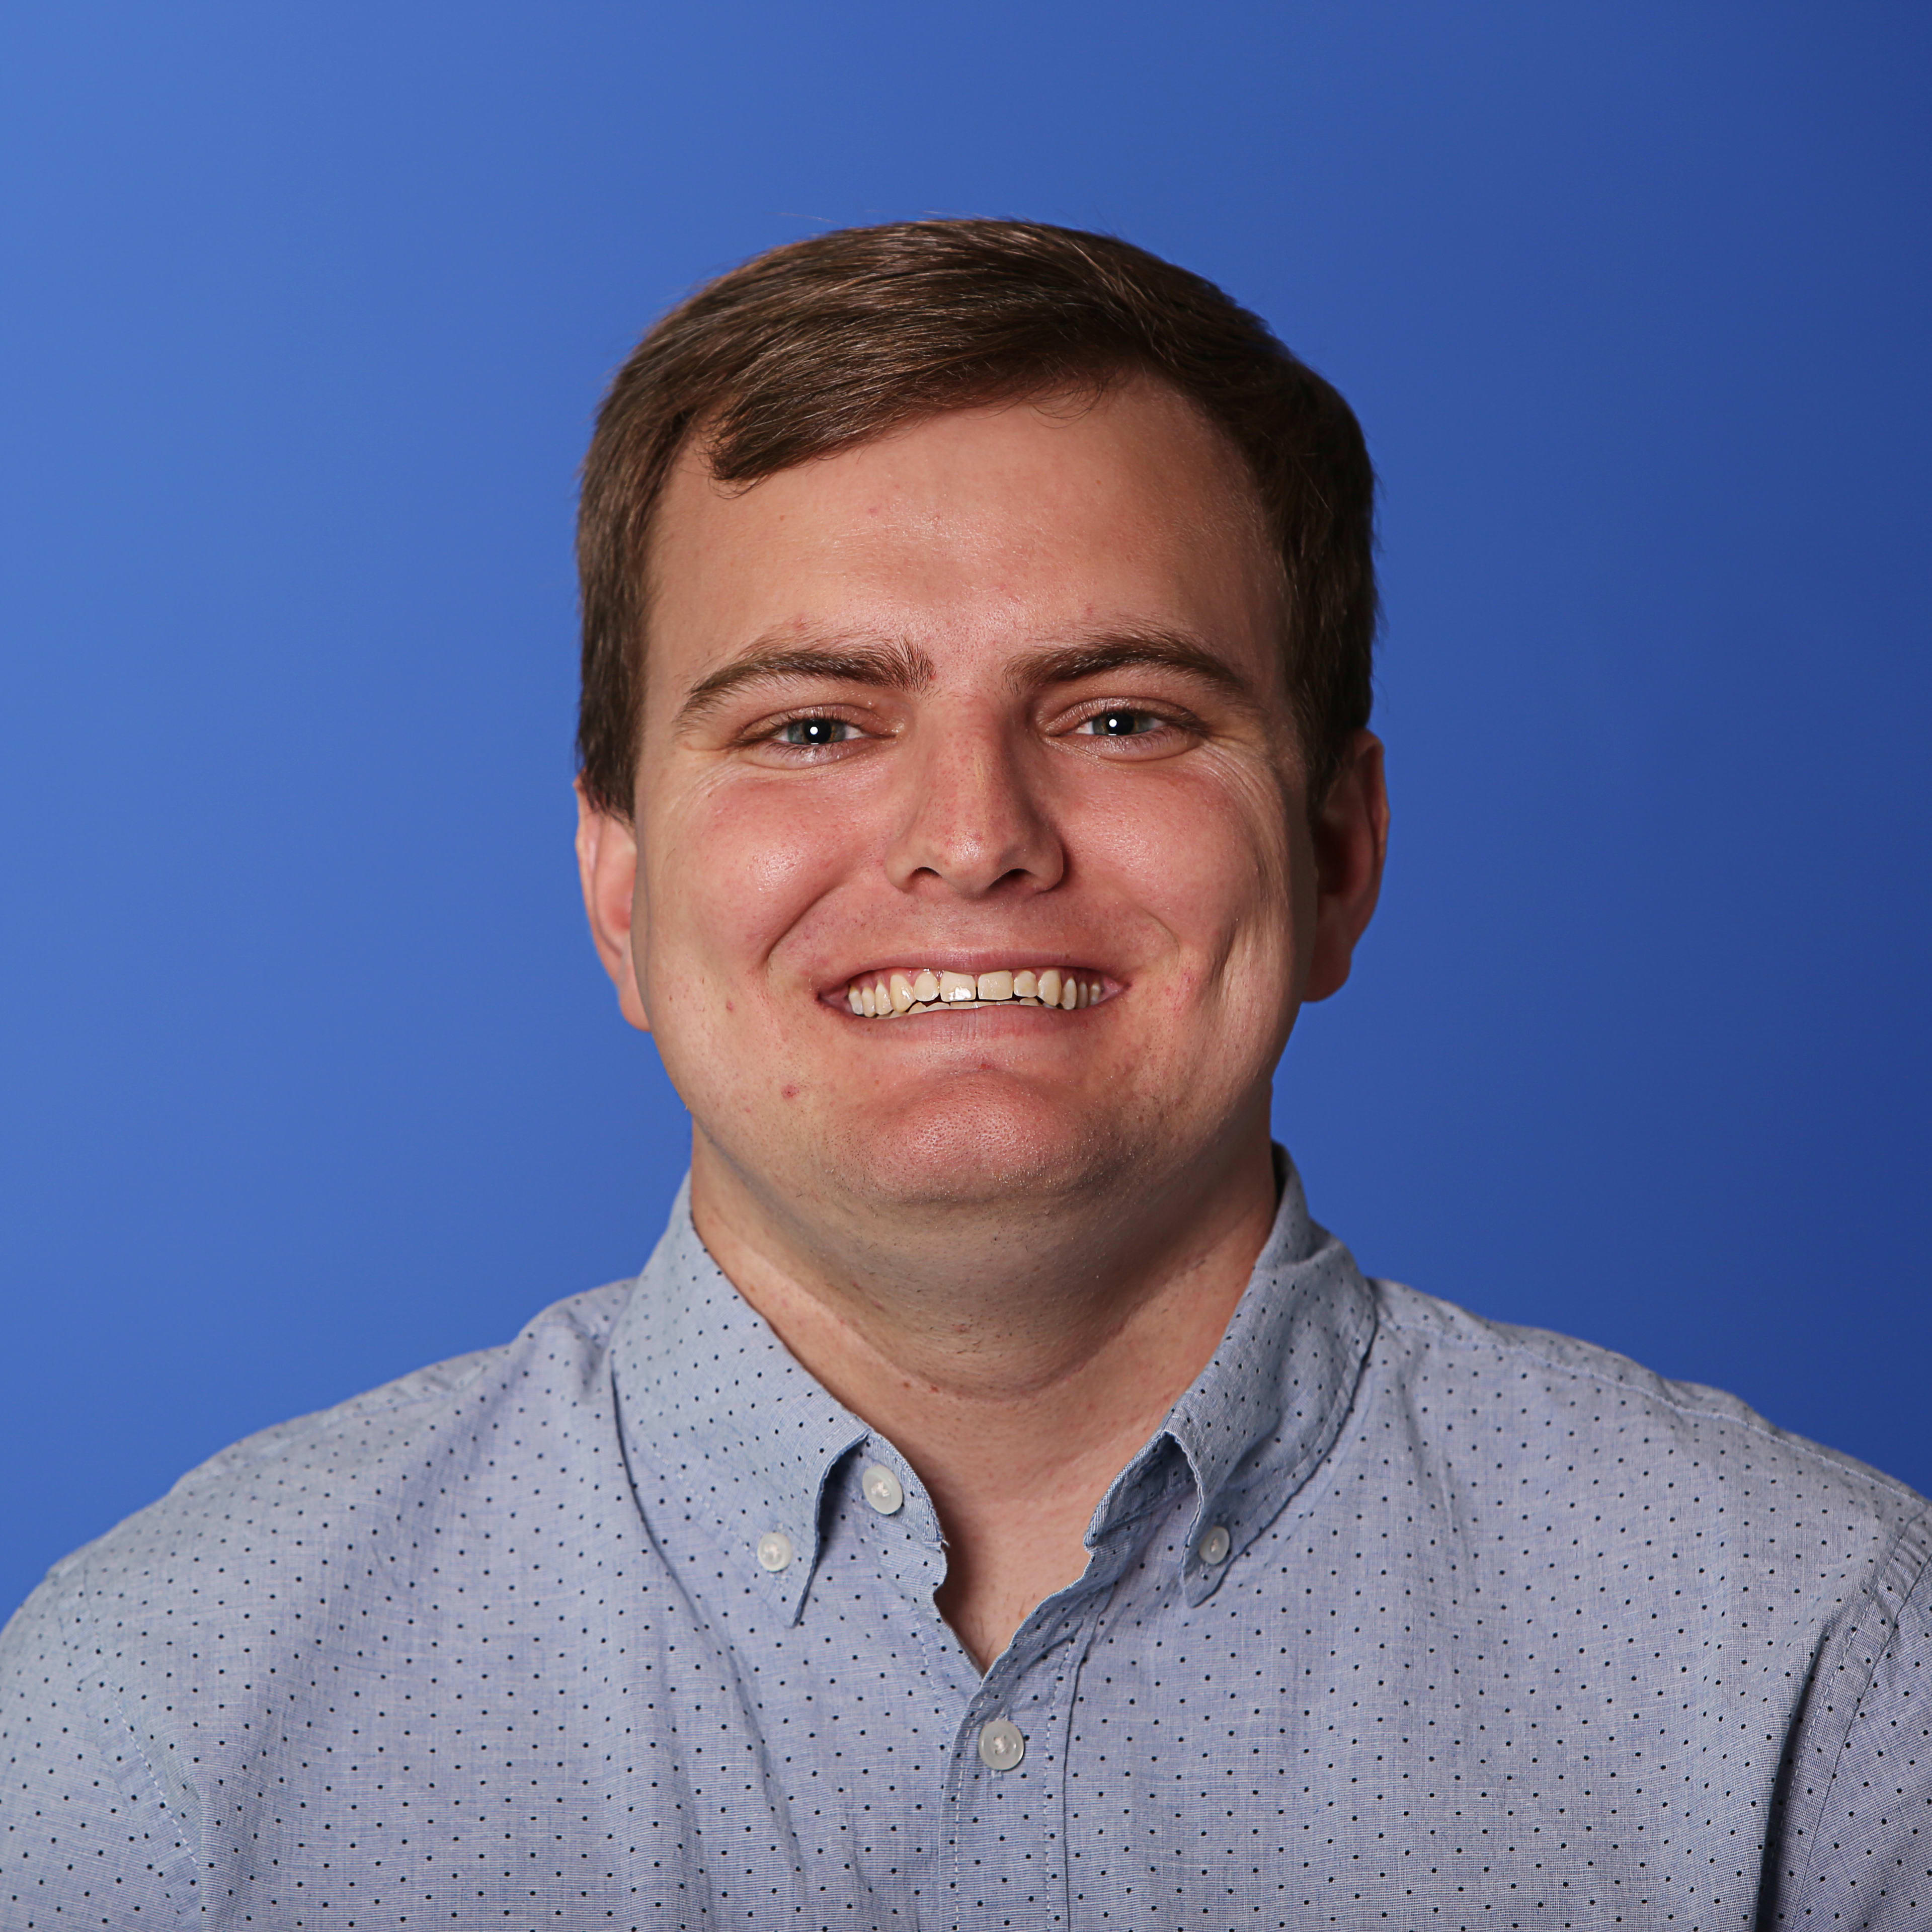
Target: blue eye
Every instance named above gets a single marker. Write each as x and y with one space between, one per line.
815 731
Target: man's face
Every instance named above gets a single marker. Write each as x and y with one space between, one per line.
999 693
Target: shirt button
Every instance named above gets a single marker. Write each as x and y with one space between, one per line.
1214 1546
883 1489
775 1549
1001 1745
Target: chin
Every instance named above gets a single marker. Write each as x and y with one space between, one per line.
999 1147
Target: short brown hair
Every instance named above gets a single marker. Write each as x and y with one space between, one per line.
825 343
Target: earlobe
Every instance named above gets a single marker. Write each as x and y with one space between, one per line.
607 865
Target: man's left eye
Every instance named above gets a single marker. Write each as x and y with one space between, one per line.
1120 723
816 731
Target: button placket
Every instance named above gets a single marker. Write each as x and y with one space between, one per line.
1006 1787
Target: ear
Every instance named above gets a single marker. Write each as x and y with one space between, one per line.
606 861
1350 834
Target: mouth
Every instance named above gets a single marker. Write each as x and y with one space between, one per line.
905 992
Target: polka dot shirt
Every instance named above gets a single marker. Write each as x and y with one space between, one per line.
1402 1619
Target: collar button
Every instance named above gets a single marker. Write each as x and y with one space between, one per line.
883 1489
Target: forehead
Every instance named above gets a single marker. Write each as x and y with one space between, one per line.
989 527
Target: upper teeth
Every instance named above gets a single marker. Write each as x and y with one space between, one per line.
887 995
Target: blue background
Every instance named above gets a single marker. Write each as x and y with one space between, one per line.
309 1075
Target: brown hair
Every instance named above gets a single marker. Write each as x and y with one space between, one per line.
825 343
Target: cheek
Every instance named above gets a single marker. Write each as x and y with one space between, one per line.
1207 859
734 869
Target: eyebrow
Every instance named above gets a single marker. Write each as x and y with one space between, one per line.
885 666
1115 649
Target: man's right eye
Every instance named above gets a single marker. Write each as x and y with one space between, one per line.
813 732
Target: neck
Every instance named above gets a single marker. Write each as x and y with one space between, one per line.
1017 1373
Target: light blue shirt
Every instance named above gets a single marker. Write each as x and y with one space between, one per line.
1401 1619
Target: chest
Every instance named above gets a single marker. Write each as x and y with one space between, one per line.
1339 1733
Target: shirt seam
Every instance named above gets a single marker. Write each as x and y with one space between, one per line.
292 1435
188 1842
1768 1432
369 1405
1867 1597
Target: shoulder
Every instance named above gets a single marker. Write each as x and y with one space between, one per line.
1563 1415
141 1674
274 1503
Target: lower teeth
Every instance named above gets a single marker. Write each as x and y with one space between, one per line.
960 1006
868 1003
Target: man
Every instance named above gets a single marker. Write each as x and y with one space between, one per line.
997 1502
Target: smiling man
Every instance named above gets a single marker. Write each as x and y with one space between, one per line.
997 1502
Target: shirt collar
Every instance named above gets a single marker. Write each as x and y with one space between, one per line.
715 1411
1258 1419
721 1423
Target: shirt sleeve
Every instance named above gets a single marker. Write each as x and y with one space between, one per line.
1859 1850
87 1835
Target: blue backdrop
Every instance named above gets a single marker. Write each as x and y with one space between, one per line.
309 1074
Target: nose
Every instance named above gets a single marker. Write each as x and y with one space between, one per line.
972 822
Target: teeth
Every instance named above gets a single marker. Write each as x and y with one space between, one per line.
883 997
